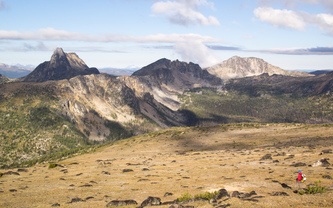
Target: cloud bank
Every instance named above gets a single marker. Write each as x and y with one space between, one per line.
185 12
294 20
297 20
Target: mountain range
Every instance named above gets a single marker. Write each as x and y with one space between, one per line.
64 105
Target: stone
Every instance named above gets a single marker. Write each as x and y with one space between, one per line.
285 186
266 157
279 194
323 162
121 203
127 170
168 194
299 164
151 201
222 193
76 199
327 177
55 205
235 194
11 173
22 170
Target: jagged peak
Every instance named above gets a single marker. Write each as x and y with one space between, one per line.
59 52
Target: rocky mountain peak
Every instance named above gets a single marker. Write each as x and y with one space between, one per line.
61 66
238 67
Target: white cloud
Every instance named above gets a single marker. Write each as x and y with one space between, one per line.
185 12
197 52
280 18
326 4
293 19
51 34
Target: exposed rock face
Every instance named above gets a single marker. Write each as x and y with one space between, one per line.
165 79
4 79
61 66
237 67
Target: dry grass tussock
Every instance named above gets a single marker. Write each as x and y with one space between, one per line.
184 160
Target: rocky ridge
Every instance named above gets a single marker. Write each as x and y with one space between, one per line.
61 66
166 79
237 67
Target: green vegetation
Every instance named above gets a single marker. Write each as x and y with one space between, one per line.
52 165
184 197
211 105
317 188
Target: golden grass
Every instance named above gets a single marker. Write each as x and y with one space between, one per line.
180 160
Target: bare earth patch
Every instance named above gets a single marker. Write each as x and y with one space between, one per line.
185 160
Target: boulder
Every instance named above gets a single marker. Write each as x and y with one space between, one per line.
279 194
151 201
299 164
222 193
121 203
266 157
323 162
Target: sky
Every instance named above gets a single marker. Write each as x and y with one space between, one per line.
291 34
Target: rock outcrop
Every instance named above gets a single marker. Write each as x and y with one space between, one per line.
61 66
237 67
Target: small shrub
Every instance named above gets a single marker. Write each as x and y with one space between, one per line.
52 165
207 195
184 197
317 188
1 175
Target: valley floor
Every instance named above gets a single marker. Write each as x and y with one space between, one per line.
185 160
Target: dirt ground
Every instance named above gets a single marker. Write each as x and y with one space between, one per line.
185 160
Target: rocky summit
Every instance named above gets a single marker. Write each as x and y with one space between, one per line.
61 66
238 67
167 79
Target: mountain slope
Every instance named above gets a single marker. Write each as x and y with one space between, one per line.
61 66
166 79
4 79
237 67
14 71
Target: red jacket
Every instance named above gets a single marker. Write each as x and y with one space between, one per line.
299 178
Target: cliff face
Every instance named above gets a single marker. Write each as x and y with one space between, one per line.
237 67
61 66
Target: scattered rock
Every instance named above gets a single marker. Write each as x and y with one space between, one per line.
327 151
235 194
106 173
79 174
86 185
93 182
247 195
127 170
145 169
62 179
12 190
279 194
151 201
266 157
143 179
76 199
289 157
323 162
222 193
285 186
327 177
121 203
89 197
276 161
299 164
55 205
168 194
11 173
22 170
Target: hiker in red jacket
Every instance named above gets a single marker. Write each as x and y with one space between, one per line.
299 179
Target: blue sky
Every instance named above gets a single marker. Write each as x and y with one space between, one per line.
291 34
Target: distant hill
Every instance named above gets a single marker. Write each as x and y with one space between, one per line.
319 72
4 79
238 67
14 71
118 71
61 66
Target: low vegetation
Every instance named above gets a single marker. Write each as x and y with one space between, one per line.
211 105
314 189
